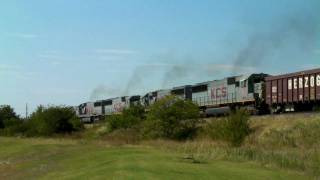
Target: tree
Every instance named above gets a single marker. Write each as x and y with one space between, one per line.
6 113
172 117
46 121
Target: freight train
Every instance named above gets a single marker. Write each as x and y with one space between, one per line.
258 93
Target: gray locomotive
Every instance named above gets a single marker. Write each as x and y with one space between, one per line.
213 97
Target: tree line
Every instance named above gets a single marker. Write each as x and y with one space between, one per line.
45 121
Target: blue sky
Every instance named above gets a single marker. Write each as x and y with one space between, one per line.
69 52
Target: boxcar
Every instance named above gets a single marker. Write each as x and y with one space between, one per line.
294 91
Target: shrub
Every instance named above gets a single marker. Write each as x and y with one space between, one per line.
130 118
6 113
10 123
76 123
173 118
115 121
233 129
13 127
53 120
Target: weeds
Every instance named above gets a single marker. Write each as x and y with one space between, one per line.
233 129
292 144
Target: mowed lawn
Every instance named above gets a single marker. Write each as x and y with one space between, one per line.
71 159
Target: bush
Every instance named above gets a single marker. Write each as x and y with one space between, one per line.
130 118
173 118
6 113
233 129
10 123
13 127
53 120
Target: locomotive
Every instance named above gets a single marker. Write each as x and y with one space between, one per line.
258 93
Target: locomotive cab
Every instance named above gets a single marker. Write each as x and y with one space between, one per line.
85 111
256 86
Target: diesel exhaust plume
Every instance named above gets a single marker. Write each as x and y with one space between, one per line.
294 31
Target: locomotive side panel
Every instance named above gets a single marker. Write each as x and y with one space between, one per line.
200 94
200 98
107 106
183 92
242 91
118 104
232 95
221 92
97 108
218 92
108 110
89 108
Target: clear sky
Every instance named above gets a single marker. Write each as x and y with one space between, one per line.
73 51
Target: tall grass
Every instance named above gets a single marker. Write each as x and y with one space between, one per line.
233 129
285 141
282 142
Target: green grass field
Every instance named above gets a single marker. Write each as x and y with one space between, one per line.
76 159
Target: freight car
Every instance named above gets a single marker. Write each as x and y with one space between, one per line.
293 92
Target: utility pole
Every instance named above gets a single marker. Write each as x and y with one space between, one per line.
26 111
